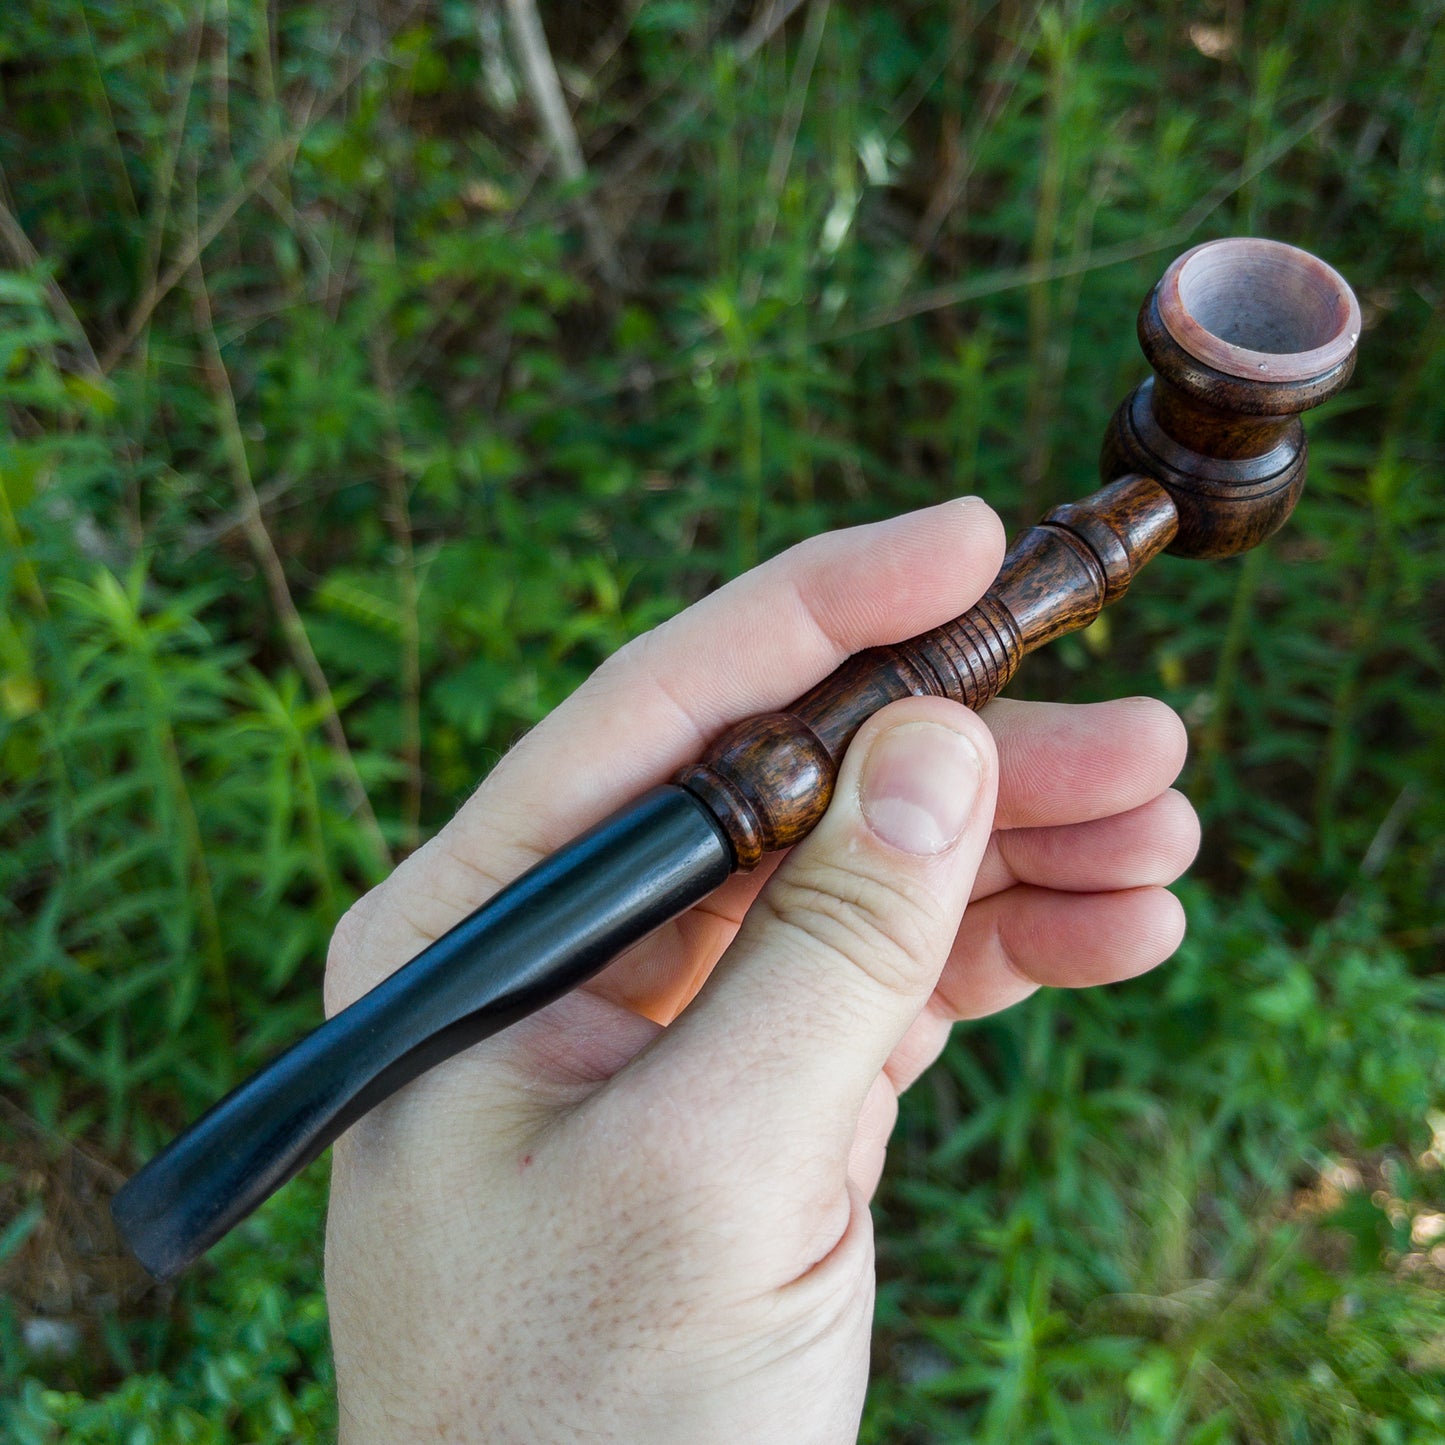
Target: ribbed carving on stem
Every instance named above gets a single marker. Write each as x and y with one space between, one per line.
972 658
768 780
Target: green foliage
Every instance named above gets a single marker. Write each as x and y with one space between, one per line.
1124 1218
251 1362
328 463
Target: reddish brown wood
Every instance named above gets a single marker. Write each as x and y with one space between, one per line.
1209 454
768 779
1243 336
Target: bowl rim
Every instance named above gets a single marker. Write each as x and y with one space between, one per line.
1241 361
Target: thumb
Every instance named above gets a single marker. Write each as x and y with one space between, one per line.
844 945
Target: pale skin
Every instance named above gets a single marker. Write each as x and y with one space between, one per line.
643 1213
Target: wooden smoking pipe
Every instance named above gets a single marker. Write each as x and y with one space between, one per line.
1205 459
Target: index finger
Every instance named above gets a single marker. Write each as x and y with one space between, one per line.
752 646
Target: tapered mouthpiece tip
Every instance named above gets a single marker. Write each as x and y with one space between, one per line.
152 1241
1260 310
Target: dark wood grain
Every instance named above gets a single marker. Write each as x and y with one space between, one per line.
1227 444
768 779
1205 458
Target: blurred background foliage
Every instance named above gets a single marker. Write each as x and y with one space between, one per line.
350 414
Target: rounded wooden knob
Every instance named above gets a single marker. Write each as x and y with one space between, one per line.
1243 335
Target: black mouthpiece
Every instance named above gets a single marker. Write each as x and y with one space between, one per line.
541 936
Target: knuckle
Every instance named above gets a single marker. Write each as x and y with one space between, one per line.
633 658
1009 950
347 941
1187 829
888 931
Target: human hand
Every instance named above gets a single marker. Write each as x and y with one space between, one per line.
592 1226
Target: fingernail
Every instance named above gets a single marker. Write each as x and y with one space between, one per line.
919 783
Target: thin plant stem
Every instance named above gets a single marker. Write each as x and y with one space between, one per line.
398 517
1039 407
294 629
545 89
14 239
787 136
311 808
198 868
27 580
281 152
1231 653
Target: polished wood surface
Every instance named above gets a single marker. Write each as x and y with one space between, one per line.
1205 458
768 779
